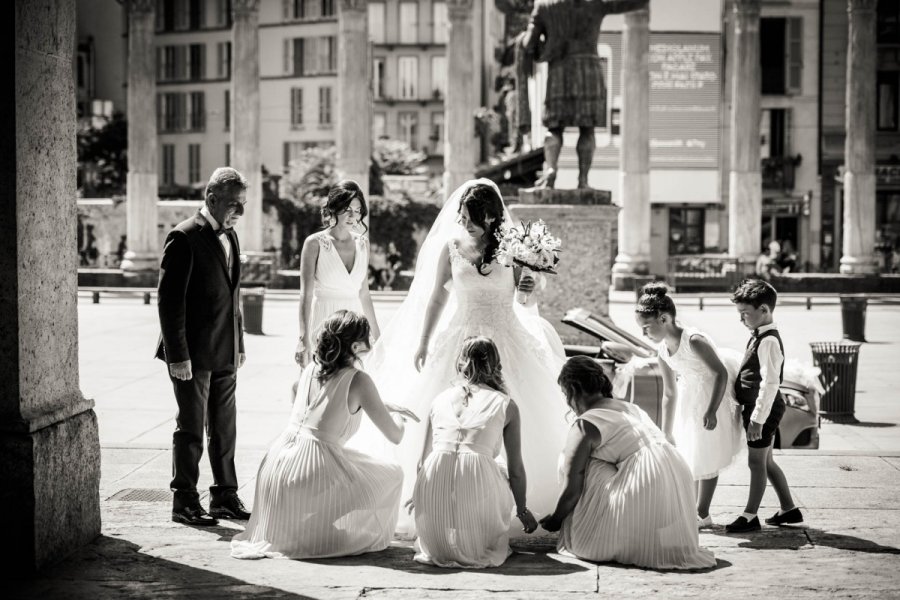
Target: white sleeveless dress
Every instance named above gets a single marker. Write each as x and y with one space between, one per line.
637 506
335 288
463 503
530 364
706 452
314 498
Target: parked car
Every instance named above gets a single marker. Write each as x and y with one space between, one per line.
799 427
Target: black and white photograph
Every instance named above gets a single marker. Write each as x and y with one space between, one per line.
451 299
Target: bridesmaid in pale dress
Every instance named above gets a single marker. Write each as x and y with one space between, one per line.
628 494
463 501
314 498
334 267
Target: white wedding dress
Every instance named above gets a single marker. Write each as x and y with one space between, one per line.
530 352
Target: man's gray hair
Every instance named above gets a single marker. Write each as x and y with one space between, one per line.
225 182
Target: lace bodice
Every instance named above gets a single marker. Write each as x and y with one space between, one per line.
490 296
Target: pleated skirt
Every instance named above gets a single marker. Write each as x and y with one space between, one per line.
641 513
463 508
319 500
576 94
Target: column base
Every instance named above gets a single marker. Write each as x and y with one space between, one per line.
51 489
858 265
137 262
629 273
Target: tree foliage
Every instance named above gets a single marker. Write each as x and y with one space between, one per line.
103 158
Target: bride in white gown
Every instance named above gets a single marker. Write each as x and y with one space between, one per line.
459 290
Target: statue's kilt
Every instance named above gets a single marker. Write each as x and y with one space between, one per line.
576 93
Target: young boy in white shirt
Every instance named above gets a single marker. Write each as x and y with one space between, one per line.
756 390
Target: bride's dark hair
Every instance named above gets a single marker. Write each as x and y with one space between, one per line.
479 363
483 202
334 344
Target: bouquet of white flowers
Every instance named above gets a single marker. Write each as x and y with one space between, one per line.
530 246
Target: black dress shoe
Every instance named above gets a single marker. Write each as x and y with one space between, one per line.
228 506
193 515
792 518
742 525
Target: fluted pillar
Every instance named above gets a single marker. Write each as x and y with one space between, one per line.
634 170
462 99
245 118
745 178
859 147
142 257
354 97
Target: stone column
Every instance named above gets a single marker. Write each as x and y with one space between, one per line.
245 118
141 261
859 146
745 179
634 171
48 431
461 103
354 97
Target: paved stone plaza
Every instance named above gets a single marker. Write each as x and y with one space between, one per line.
849 488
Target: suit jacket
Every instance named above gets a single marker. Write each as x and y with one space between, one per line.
199 300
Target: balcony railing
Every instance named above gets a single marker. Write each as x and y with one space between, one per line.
778 172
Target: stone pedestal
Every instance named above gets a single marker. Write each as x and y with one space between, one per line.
354 97
585 221
142 258
48 431
634 176
245 118
859 146
462 100
745 179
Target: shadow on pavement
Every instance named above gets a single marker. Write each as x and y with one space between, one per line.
110 567
401 558
793 539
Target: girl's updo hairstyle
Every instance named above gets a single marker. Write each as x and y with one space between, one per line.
479 363
583 376
334 343
483 202
655 300
339 198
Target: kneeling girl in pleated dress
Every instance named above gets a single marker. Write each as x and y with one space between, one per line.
314 498
463 501
628 494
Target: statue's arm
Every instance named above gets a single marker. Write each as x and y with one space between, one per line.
532 36
623 6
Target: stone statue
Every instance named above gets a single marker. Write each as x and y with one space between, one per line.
564 34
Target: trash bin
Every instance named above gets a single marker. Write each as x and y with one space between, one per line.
252 308
853 317
838 362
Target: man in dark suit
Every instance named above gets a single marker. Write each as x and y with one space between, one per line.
202 343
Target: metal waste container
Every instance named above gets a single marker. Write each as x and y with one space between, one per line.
853 317
838 362
252 308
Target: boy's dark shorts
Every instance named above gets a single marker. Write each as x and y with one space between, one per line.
769 427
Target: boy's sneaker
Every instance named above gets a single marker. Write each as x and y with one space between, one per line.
704 522
791 518
742 525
